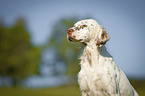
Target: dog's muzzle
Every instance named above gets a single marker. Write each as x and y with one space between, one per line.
69 33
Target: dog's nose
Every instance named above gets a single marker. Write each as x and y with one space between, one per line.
70 30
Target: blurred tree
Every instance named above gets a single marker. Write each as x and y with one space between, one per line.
69 52
18 58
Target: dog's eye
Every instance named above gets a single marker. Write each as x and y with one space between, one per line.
84 25
76 28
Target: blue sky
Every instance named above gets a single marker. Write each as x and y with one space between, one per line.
124 20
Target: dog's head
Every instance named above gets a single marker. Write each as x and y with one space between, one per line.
86 30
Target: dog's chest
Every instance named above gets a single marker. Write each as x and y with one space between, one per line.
99 78
97 73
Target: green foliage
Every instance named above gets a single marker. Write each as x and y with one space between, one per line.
18 58
68 51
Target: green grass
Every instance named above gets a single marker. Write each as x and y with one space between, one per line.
69 90
139 86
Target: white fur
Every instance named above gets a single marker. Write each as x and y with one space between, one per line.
99 75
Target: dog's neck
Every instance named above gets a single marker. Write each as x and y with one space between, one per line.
92 55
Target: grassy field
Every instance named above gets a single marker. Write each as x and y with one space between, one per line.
69 90
139 86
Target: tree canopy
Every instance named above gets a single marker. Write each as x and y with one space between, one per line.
18 57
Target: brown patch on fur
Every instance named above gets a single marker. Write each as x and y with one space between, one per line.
84 25
104 38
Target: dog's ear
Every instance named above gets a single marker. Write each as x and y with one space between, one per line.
103 38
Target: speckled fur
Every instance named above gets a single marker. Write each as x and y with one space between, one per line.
99 75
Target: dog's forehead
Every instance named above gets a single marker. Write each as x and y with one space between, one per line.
86 22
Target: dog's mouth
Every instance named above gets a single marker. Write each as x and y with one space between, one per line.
70 39
74 40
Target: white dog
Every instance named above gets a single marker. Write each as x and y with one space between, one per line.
99 75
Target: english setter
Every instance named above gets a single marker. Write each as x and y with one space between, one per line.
99 75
